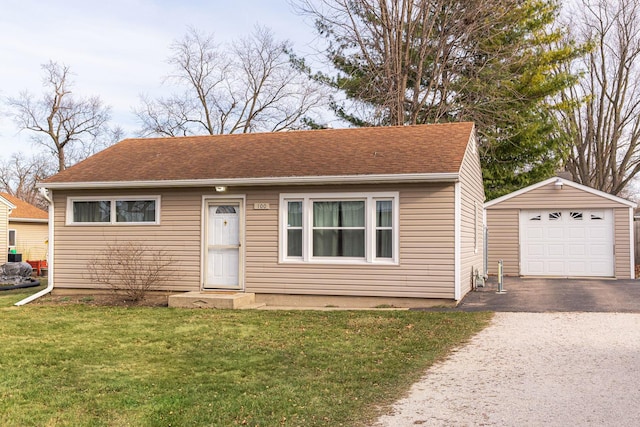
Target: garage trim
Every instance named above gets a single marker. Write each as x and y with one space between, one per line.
563 182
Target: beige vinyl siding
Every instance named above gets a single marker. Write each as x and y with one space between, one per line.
426 262
471 227
622 245
504 241
426 243
4 234
31 239
178 233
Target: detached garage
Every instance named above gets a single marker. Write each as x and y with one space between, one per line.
559 228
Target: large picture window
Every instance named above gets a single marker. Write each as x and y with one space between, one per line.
130 210
339 227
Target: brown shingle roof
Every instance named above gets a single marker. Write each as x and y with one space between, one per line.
23 209
421 149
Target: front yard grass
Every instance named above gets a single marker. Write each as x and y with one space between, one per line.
73 365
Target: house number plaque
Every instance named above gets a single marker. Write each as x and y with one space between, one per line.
261 206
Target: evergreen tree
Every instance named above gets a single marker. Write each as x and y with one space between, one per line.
425 61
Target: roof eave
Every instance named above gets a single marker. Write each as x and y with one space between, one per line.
8 203
31 220
274 181
564 182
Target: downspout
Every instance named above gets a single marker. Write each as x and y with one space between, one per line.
45 193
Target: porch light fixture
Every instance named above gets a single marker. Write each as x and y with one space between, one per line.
221 188
558 184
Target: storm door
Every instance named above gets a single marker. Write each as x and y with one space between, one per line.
222 246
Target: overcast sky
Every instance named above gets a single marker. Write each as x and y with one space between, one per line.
117 49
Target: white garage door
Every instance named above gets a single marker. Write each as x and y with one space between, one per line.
573 242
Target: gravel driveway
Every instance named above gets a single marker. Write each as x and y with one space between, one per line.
534 369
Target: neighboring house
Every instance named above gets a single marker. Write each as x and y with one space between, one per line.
559 228
27 229
5 209
367 216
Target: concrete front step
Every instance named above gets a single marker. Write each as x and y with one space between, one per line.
229 300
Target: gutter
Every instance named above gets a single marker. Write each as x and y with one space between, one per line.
30 220
265 181
45 193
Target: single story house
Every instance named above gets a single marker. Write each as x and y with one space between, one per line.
559 228
28 229
359 217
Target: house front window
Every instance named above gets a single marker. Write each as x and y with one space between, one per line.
339 227
294 229
135 210
117 210
92 211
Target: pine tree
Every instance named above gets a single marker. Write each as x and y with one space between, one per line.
492 62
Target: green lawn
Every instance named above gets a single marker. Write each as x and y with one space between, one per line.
75 365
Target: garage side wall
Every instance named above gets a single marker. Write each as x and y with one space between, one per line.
622 253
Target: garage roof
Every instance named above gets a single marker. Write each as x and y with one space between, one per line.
560 181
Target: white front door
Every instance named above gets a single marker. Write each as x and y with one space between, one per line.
567 242
222 246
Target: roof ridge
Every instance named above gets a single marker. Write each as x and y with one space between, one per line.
287 132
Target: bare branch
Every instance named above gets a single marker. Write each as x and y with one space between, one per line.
59 121
251 86
602 124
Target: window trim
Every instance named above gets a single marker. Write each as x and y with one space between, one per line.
113 217
15 237
307 199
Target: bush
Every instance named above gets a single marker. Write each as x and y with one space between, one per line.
131 269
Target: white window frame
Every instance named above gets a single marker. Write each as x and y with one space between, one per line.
15 238
307 200
113 218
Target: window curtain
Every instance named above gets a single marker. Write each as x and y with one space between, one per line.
338 229
94 211
294 229
135 211
384 229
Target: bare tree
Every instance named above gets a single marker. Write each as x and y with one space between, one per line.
602 115
250 86
68 126
19 175
131 268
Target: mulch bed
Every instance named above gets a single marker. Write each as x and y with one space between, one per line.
102 300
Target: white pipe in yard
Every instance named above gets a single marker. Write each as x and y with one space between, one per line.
500 279
49 288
